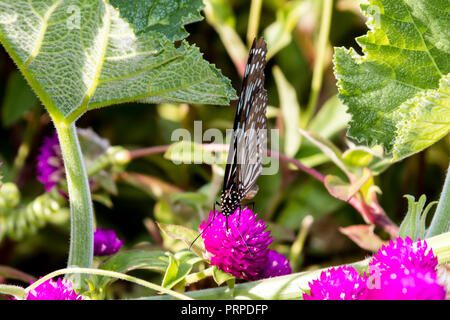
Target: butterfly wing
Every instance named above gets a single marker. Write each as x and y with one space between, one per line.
249 132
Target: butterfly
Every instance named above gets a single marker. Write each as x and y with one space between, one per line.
247 145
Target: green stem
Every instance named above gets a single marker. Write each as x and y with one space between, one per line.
16 291
441 218
295 255
319 61
81 212
253 20
107 273
24 149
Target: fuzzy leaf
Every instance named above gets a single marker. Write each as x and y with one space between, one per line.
81 55
166 17
406 54
423 120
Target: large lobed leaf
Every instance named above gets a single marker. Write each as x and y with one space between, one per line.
80 55
166 17
392 90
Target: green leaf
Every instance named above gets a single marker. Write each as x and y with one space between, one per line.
363 236
125 261
19 98
406 54
357 157
345 190
422 120
331 118
221 276
414 223
279 33
163 213
165 17
328 148
179 267
80 55
186 235
290 110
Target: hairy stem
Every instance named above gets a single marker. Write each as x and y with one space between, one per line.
81 212
107 273
441 218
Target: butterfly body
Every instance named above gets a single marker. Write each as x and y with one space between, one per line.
230 200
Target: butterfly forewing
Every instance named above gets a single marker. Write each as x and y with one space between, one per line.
247 146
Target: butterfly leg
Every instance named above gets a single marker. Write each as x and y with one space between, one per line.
239 218
214 216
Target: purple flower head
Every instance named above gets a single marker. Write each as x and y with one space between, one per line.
406 271
405 253
51 290
407 284
229 249
106 242
277 265
50 165
342 283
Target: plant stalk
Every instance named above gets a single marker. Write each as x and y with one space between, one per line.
25 146
253 21
322 45
441 218
81 211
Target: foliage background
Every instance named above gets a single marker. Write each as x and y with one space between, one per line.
284 199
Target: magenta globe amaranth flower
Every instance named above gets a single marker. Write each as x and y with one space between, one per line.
405 253
106 242
51 290
406 271
50 164
407 284
342 283
277 265
229 249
